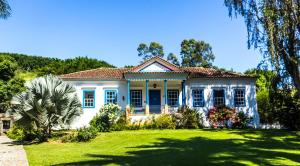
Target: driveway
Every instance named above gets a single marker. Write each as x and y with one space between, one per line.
11 153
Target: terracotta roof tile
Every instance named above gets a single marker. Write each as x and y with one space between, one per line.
99 73
199 72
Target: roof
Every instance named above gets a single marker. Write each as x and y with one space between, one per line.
200 72
99 73
158 59
118 73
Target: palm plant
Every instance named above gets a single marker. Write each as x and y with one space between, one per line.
4 9
48 103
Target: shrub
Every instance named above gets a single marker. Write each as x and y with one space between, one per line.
71 137
16 133
242 120
221 116
188 118
86 133
108 115
164 121
19 133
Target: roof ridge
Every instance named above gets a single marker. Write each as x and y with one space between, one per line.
90 70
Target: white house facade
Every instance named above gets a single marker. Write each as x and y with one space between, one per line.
159 87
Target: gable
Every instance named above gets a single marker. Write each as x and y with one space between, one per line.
155 67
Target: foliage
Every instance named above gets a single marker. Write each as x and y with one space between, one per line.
286 108
242 120
188 118
163 121
173 59
44 65
5 10
274 28
108 115
221 116
86 133
196 53
147 52
9 83
48 102
19 133
263 89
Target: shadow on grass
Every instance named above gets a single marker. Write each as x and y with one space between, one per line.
263 149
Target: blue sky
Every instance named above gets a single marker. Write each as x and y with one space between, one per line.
111 30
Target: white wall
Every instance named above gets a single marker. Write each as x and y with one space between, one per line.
228 84
99 87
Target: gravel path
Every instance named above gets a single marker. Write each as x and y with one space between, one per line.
11 154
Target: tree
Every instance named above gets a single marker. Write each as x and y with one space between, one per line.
196 53
5 9
48 102
147 52
173 59
9 84
274 27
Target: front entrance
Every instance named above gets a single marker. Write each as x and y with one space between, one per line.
154 101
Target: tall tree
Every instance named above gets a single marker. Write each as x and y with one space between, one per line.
196 53
173 59
147 52
9 84
5 9
274 27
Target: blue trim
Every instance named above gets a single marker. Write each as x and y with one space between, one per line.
147 92
128 92
242 89
193 94
183 93
110 90
140 98
83 97
166 91
219 88
177 104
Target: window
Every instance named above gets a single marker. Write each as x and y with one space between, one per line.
239 97
6 124
136 98
219 97
173 98
88 98
198 97
110 96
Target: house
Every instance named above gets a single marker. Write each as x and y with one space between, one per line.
159 87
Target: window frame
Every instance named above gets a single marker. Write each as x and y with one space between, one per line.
224 92
244 97
110 90
83 98
193 97
177 103
131 102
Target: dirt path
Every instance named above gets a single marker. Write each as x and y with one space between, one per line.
11 154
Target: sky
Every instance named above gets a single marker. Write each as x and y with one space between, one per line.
111 30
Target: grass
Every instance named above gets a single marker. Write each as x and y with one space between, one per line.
174 147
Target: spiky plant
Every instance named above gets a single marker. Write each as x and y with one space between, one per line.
48 103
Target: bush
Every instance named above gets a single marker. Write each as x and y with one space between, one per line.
71 137
164 121
242 120
221 116
108 115
188 118
86 133
19 133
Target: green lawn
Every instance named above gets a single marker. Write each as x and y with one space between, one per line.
174 147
